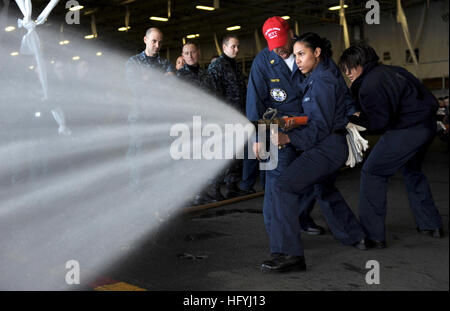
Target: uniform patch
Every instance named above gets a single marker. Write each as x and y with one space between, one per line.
272 61
274 80
278 94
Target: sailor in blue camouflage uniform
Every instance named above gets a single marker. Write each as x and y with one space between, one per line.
192 73
227 74
141 69
230 86
191 70
138 67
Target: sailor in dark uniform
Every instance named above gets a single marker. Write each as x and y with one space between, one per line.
324 151
141 70
273 85
230 86
192 73
392 102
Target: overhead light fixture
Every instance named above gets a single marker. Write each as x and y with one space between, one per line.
76 8
160 19
88 37
124 28
285 17
65 42
233 28
337 7
193 36
203 7
52 62
76 58
14 53
10 28
99 54
31 67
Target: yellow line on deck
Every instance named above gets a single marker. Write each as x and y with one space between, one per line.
119 287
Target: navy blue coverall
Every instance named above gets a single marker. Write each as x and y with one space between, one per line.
273 85
394 102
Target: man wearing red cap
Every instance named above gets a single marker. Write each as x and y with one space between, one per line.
279 38
274 82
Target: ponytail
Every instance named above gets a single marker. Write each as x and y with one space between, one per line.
313 41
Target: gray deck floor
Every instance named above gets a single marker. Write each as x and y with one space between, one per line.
220 249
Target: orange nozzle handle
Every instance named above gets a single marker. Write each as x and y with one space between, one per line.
298 121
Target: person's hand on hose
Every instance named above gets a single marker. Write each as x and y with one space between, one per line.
256 149
289 124
279 139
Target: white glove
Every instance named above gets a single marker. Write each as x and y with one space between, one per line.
356 144
351 161
441 126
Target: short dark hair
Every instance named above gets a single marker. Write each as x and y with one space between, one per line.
313 41
191 43
356 55
227 38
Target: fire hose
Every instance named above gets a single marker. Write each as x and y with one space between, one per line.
284 123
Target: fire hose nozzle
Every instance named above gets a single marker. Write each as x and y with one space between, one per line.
283 122
286 123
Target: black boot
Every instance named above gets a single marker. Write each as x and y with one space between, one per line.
361 245
284 263
436 233
216 194
234 191
247 192
202 199
375 243
314 229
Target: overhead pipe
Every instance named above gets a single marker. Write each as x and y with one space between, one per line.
401 19
169 8
218 49
257 42
93 26
343 23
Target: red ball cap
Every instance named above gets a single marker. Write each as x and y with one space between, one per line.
276 32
